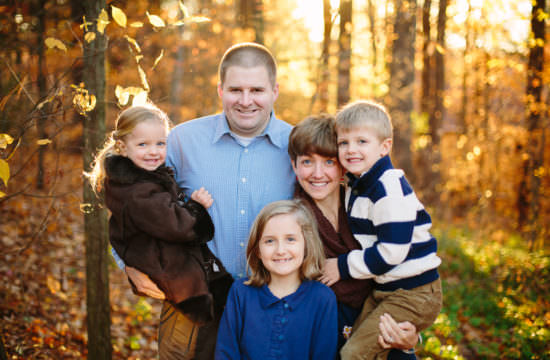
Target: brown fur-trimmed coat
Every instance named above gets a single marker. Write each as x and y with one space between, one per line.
154 231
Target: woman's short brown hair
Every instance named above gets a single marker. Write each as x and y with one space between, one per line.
313 135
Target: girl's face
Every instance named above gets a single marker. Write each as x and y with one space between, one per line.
145 145
318 175
282 247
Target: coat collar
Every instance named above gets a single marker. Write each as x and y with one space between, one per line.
267 299
120 169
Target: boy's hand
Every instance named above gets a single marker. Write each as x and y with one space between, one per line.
331 274
401 335
203 197
144 284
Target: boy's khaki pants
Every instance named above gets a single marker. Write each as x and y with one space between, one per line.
420 306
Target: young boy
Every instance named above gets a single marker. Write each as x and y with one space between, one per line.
391 225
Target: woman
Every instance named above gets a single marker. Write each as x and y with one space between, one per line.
313 152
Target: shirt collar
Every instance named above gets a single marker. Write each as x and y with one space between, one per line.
267 299
273 130
368 178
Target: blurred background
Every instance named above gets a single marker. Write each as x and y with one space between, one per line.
466 82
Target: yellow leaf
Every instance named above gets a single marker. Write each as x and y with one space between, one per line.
85 24
55 43
122 95
89 37
119 16
136 24
133 42
143 78
440 49
5 140
4 171
158 58
138 58
155 20
43 141
184 9
102 21
198 19
53 284
140 99
2 194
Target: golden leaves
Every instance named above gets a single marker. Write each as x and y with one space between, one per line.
53 43
155 20
102 21
123 95
119 16
43 142
4 171
89 37
82 100
157 60
5 140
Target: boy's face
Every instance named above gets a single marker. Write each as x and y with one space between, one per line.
360 148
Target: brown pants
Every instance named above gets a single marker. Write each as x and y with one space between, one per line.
420 306
178 337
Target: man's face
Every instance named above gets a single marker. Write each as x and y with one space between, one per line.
247 97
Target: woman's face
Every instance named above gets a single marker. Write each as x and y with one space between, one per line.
318 175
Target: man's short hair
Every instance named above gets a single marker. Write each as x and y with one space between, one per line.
248 55
365 113
313 135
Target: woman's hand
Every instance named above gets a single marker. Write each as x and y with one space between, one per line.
203 197
144 284
399 336
331 274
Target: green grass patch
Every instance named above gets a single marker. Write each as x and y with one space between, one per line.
496 300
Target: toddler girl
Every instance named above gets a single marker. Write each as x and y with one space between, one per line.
280 312
153 227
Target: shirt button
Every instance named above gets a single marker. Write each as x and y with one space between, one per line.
242 244
242 212
283 320
281 337
243 179
245 150
286 306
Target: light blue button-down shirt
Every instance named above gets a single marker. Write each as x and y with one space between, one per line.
241 179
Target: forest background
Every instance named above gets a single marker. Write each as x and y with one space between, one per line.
467 84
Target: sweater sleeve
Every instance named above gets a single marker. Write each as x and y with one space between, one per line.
155 212
393 218
230 328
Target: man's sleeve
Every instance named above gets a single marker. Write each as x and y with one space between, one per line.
118 260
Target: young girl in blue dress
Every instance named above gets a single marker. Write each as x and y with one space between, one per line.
280 312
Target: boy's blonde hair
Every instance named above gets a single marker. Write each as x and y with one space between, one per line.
313 248
126 122
365 113
248 55
313 135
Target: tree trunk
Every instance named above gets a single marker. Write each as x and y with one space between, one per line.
3 354
439 113
400 99
42 90
529 192
426 97
465 72
371 14
325 71
344 54
250 15
95 218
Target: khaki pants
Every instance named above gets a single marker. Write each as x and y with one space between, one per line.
178 336
419 306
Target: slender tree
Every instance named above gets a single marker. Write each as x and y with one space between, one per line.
344 53
325 54
529 192
427 96
400 99
95 218
439 110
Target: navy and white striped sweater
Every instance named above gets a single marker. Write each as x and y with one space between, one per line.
392 227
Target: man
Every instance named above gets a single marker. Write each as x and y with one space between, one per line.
239 156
